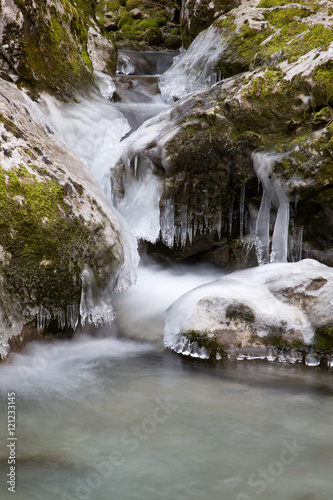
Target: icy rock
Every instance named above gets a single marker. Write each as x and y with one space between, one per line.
246 309
71 225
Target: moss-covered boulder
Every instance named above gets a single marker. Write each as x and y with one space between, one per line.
62 248
197 16
53 45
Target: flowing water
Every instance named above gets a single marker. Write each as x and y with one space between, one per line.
107 417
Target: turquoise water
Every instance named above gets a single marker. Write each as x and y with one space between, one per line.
106 418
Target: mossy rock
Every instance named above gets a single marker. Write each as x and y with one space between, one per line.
275 31
59 238
207 341
143 31
48 46
323 343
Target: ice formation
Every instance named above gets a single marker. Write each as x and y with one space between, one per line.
91 127
273 194
196 69
263 290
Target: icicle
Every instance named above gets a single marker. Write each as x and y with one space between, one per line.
231 214
300 243
72 316
241 210
61 319
177 235
190 232
195 226
183 225
219 224
136 165
280 234
206 213
262 230
274 192
167 221
43 318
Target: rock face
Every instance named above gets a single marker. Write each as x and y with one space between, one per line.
202 151
63 248
281 306
50 45
197 15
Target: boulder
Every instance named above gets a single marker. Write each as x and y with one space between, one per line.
287 307
44 46
63 250
102 52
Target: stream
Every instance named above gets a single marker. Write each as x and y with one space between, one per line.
112 415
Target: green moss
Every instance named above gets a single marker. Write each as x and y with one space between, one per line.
153 36
146 31
44 242
207 341
240 312
323 343
11 127
124 20
54 55
272 3
132 4
323 78
277 338
279 3
113 6
248 41
281 18
227 23
293 44
145 24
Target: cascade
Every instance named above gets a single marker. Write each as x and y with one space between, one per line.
273 194
197 68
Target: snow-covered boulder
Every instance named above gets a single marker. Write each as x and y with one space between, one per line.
287 306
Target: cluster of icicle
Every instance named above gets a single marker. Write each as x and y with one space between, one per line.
68 317
187 348
138 195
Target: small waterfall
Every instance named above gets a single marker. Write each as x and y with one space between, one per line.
273 194
197 68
